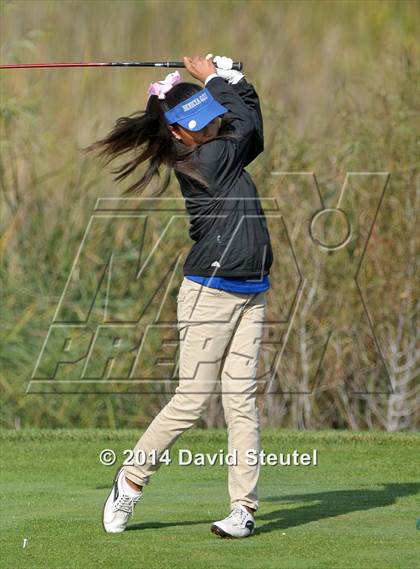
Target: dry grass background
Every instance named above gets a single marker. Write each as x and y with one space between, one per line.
337 82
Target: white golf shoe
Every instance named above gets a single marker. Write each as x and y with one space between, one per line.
239 523
119 506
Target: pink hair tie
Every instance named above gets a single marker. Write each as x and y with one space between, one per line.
159 88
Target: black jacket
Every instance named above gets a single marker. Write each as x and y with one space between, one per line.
227 220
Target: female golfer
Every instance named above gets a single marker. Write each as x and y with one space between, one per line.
207 135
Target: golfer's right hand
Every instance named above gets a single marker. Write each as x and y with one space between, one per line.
199 67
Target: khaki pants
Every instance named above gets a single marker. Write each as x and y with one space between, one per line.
220 334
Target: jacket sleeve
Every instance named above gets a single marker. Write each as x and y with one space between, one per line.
250 97
222 160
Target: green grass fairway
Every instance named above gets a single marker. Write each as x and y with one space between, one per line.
357 508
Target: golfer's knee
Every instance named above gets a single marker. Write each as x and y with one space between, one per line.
240 408
191 404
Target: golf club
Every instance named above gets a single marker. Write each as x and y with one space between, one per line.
235 65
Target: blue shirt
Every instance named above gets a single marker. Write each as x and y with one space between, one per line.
231 284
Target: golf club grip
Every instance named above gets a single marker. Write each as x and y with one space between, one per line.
237 65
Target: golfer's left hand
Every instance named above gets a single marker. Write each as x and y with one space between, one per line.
224 68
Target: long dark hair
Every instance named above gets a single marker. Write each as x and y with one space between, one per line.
147 134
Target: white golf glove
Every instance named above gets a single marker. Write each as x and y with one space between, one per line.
224 68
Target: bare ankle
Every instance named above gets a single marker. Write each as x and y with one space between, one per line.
250 510
133 485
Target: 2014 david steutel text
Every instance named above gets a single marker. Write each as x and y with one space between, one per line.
185 457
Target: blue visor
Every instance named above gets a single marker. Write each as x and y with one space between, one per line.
197 111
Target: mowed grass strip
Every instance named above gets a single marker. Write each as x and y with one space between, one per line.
357 508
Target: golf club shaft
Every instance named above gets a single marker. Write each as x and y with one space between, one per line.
235 65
